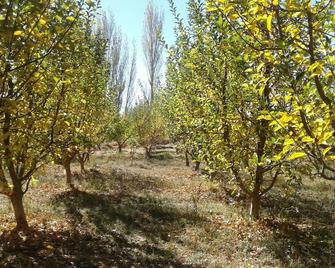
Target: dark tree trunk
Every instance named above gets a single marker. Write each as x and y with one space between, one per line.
255 205
119 148
255 202
20 216
197 165
147 152
187 160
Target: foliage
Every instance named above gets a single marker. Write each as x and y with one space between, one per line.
49 93
228 77
148 125
296 40
120 130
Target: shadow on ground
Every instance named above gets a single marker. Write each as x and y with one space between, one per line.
76 248
303 231
119 225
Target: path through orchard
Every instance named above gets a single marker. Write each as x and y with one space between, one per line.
149 213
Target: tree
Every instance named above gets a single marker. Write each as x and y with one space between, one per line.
33 42
299 47
152 46
251 84
86 109
122 75
148 128
220 99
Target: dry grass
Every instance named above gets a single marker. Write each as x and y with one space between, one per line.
158 213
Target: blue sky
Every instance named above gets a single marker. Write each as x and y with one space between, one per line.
129 16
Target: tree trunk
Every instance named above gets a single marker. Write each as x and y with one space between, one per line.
20 216
147 152
67 167
197 165
119 147
82 165
255 205
187 160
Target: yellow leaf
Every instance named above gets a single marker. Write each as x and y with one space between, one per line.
70 19
234 16
265 117
298 58
37 74
42 22
18 33
269 23
275 2
261 90
289 142
296 155
325 151
312 67
288 98
307 139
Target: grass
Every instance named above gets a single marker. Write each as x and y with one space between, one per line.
158 213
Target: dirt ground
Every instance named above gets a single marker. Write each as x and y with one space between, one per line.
129 211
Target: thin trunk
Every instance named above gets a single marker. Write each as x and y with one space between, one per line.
187 160
67 167
119 148
256 193
255 205
255 202
197 165
147 152
20 216
262 128
82 165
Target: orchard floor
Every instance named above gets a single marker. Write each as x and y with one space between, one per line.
159 213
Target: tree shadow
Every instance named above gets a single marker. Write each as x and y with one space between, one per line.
303 231
122 209
116 222
118 180
153 218
76 248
